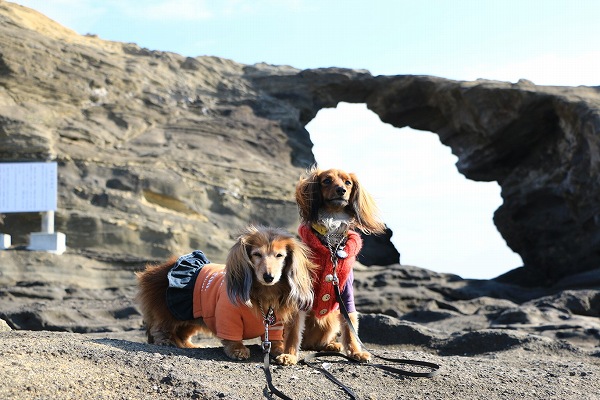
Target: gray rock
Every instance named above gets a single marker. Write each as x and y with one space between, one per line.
532 140
4 327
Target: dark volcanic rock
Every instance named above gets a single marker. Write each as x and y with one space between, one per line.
398 305
539 143
378 250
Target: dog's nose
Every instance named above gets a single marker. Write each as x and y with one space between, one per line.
340 190
268 277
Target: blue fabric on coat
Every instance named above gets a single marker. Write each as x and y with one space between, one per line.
182 278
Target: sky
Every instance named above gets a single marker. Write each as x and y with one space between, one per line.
441 221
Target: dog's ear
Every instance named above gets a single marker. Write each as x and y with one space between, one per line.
238 269
308 195
300 272
364 209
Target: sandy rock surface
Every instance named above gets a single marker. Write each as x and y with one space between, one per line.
56 365
79 335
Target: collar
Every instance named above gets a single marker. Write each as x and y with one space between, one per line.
319 228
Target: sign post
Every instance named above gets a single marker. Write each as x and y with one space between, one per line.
32 187
4 241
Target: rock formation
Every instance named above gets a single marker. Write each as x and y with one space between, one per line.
398 304
539 143
159 153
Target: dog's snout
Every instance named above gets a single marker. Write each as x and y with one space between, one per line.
268 277
340 190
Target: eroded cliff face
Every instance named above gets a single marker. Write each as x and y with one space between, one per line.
159 153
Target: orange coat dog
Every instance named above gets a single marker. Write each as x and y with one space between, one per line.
267 268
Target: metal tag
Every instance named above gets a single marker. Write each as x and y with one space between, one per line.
270 318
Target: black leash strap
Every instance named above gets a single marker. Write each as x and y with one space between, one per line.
272 388
334 244
329 375
269 319
435 368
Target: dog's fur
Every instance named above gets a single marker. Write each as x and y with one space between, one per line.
259 255
335 194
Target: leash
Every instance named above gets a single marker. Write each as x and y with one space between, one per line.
335 245
435 368
269 319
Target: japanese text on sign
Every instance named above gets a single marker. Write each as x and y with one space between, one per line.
28 187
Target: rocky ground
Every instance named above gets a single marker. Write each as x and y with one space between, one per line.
77 334
53 365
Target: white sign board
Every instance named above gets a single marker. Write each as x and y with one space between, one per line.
28 187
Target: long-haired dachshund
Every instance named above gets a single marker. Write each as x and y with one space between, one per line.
267 268
332 204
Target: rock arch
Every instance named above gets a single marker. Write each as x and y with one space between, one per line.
541 144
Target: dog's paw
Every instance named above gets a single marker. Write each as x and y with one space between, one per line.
286 359
362 356
240 353
236 350
160 338
333 346
188 344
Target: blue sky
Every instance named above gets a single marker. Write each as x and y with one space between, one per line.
440 220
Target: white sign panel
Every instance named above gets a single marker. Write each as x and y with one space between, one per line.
28 187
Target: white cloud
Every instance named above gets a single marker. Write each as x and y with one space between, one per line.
544 69
236 7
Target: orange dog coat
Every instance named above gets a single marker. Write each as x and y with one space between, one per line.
225 319
198 289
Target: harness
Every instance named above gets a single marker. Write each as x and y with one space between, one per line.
335 243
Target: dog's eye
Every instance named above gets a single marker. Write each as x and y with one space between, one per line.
348 183
327 181
256 254
279 255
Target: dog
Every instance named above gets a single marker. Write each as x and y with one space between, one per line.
332 205
266 269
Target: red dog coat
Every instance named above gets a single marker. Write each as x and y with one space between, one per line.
325 300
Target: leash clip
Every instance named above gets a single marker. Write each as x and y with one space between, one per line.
266 344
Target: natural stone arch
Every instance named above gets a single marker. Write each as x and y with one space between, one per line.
539 143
